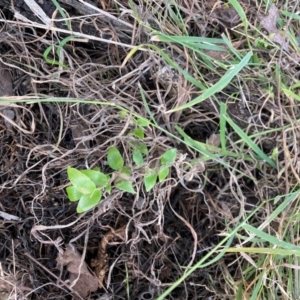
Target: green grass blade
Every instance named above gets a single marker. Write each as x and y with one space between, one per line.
269 238
187 39
258 287
62 13
240 11
223 128
174 65
201 263
220 85
289 93
249 142
271 251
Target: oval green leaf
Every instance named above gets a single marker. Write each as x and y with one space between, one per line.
88 202
97 177
137 157
169 156
150 181
140 146
143 122
73 193
114 159
126 171
80 181
139 133
163 173
125 186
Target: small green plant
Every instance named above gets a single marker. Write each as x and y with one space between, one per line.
58 51
166 161
88 186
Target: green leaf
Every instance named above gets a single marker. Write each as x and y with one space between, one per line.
150 180
122 114
275 153
126 171
97 177
143 122
137 157
108 188
219 86
163 173
140 146
80 181
126 186
169 156
249 141
73 193
114 159
139 133
89 201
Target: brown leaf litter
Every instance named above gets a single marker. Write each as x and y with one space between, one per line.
268 22
82 281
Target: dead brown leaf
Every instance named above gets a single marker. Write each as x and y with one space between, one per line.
228 17
100 262
268 22
85 281
214 140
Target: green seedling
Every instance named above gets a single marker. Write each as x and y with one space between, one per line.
166 161
139 149
59 52
88 185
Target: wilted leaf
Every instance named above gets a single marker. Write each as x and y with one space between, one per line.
115 159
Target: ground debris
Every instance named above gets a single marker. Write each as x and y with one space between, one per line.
268 22
228 17
79 274
100 263
6 85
